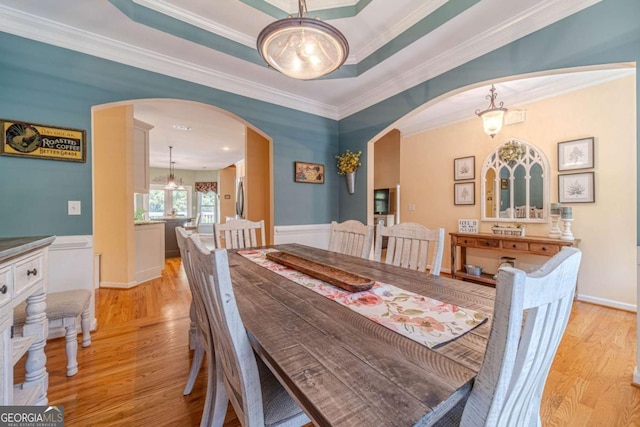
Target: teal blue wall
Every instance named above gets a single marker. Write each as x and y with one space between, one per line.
49 85
607 32
43 84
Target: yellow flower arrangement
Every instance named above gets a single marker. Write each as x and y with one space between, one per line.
348 162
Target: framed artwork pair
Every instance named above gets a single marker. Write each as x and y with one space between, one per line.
576 155
464 168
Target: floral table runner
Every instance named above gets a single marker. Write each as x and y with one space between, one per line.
425 320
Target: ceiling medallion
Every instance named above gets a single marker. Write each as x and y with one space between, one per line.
303 48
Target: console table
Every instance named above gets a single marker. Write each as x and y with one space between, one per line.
23 276
531 245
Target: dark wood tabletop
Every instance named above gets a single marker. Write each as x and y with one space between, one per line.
344 369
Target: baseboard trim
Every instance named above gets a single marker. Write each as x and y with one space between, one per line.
607 303
118 285
148 274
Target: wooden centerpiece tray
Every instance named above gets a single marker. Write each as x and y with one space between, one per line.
343 279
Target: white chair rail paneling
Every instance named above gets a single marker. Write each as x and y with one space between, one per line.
315 235
351 238
409 246
71 263
530 316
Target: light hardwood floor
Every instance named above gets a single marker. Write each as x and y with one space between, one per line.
135 370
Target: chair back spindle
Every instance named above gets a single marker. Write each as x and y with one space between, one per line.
409 245
240 234
351 238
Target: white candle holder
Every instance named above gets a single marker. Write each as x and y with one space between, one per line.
566 233
555 232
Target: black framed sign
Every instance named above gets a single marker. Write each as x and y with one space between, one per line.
31 140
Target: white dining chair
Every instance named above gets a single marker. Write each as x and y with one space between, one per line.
351 238
257 396
239 234
203 339
530 316
409 245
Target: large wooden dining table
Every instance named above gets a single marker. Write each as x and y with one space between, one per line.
346 370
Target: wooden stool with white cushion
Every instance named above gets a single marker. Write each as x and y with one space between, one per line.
63 310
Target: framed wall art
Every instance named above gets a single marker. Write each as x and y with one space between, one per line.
576 188
464 168
576 154
464 193
311 173
31 140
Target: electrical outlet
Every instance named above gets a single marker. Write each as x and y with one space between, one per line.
412 207
73 207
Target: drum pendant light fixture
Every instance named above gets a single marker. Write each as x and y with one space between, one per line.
303 48
492 117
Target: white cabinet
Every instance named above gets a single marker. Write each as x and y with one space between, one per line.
23 276
141 156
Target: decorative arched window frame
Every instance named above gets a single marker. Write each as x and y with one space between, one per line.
511 154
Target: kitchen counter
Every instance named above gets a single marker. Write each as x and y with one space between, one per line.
14 246
170 241
147 222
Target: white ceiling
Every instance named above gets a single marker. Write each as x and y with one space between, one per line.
214 140
99 28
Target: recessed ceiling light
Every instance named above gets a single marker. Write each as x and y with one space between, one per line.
181 127
226 148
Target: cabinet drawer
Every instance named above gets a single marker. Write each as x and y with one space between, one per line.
515 245
544 249
466 241
488 243
6 285
28 272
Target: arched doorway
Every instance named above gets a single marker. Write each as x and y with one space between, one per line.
114 167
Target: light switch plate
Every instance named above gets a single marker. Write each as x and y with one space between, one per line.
74 207
412 207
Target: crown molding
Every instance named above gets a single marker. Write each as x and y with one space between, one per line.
426 8
50 32
53 33
544 13
291 6
188 17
